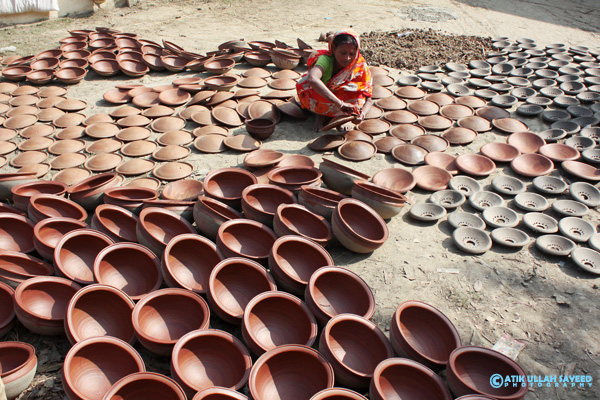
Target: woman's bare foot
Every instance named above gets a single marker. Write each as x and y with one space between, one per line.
348 126
319 123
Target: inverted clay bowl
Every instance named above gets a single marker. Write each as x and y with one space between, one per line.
18 365
470 369
99 310
227 184
290 372
406 379
385 201
423 333
273 319
358 227
44 206
157 226
233 283
129 267
354 346
260 201
295 219
245 238
41 303
162 317
207 358
145 386
116 222
16 233
94 365
219 393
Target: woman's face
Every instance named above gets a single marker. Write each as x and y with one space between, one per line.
344 54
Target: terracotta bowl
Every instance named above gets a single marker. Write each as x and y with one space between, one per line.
207 358
99 310
21 194
406 379
288 372
183 190
431 178
7 308
129 267
44 206
8 180
129 197
470 369
89 193
157 226
49 232
422 333
94 365
526 142
227 184
349 334
358 227
385 201
273 319
332 291
295 219
145 386
219 393
338 177
499 152
337 394
210 214
18 365
397 179
319 200
293 259
532 165
41 303
116 222
16 267
475 164
16 233
260 201
233 283
162 317
245 238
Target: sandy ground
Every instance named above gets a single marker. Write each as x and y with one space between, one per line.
546 303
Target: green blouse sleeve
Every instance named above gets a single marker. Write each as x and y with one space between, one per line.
326 62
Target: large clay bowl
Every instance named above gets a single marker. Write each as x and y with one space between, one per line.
23 192
116 222
145 386
44 206
338 394
75 253
94 365
397 179
333 291
210 214
290 372
319 200
16 267
295 219
183 190
7 308
526 142
129 267
499 152
358 227
273 319
41 303
245 238
233 283
157 226
401 378
18 365
475 164
48 233
470 370
339 177
532 165
385 201
293 260
582 170
293 177
89 192
422 333
431 178
99 310
227 185
260 201
219 393
207 358
162 317
354 346
16 233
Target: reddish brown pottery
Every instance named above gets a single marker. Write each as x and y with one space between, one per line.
145 386
157 226
48 232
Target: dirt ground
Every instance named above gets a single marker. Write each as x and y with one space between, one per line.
544 302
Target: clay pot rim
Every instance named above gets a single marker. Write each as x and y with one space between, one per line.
142 218
21 218
333 269
26 276
283 207
233 394
393 361
492 353
48 221
263 359
337 391
262 186
318 174
76 232
95 287
296 238
102 207
20 345
218 334
15 189
135 315
211 175
110 192
95 340
422 305
208 202
344 169
314 329
313 191
145 376
368 209
388 195
41 279
6 288
13 176
75 189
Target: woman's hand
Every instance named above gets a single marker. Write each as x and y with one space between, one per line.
347 108
359 118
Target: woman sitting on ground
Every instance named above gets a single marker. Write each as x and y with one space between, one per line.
338 82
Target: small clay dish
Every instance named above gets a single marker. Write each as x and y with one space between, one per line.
576 229
570 208
448 198
540 223
442 160
586 259
531 202
357 150
459 136
407 132
431 178
242 143
431 142
509 237
500 217
210 143
157 226
166 124
499 152
484 199
475 164
508 185
397 179
581 170
472 240
532 165
292 178
585 193
183 190
460 218
132 134
526 142
476 123
555 245
409 154
264 158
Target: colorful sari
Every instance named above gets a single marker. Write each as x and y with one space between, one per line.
352 84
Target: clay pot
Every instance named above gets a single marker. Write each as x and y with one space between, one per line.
17 267
76 251
262 159
18 365
162 317
210 214
332 291
233 283
350 334
49 232
145 386
116 222
260 201
44 206
227 185
184 190
260 128
89 193
358 227
207 358
156 227
7 308
292 178
421 332
406 379
245 238
470 369
130 198
290 371
297 160
295 219
41 303
94 365
219 393
319 200
16 233
129 267
99 310
273 319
